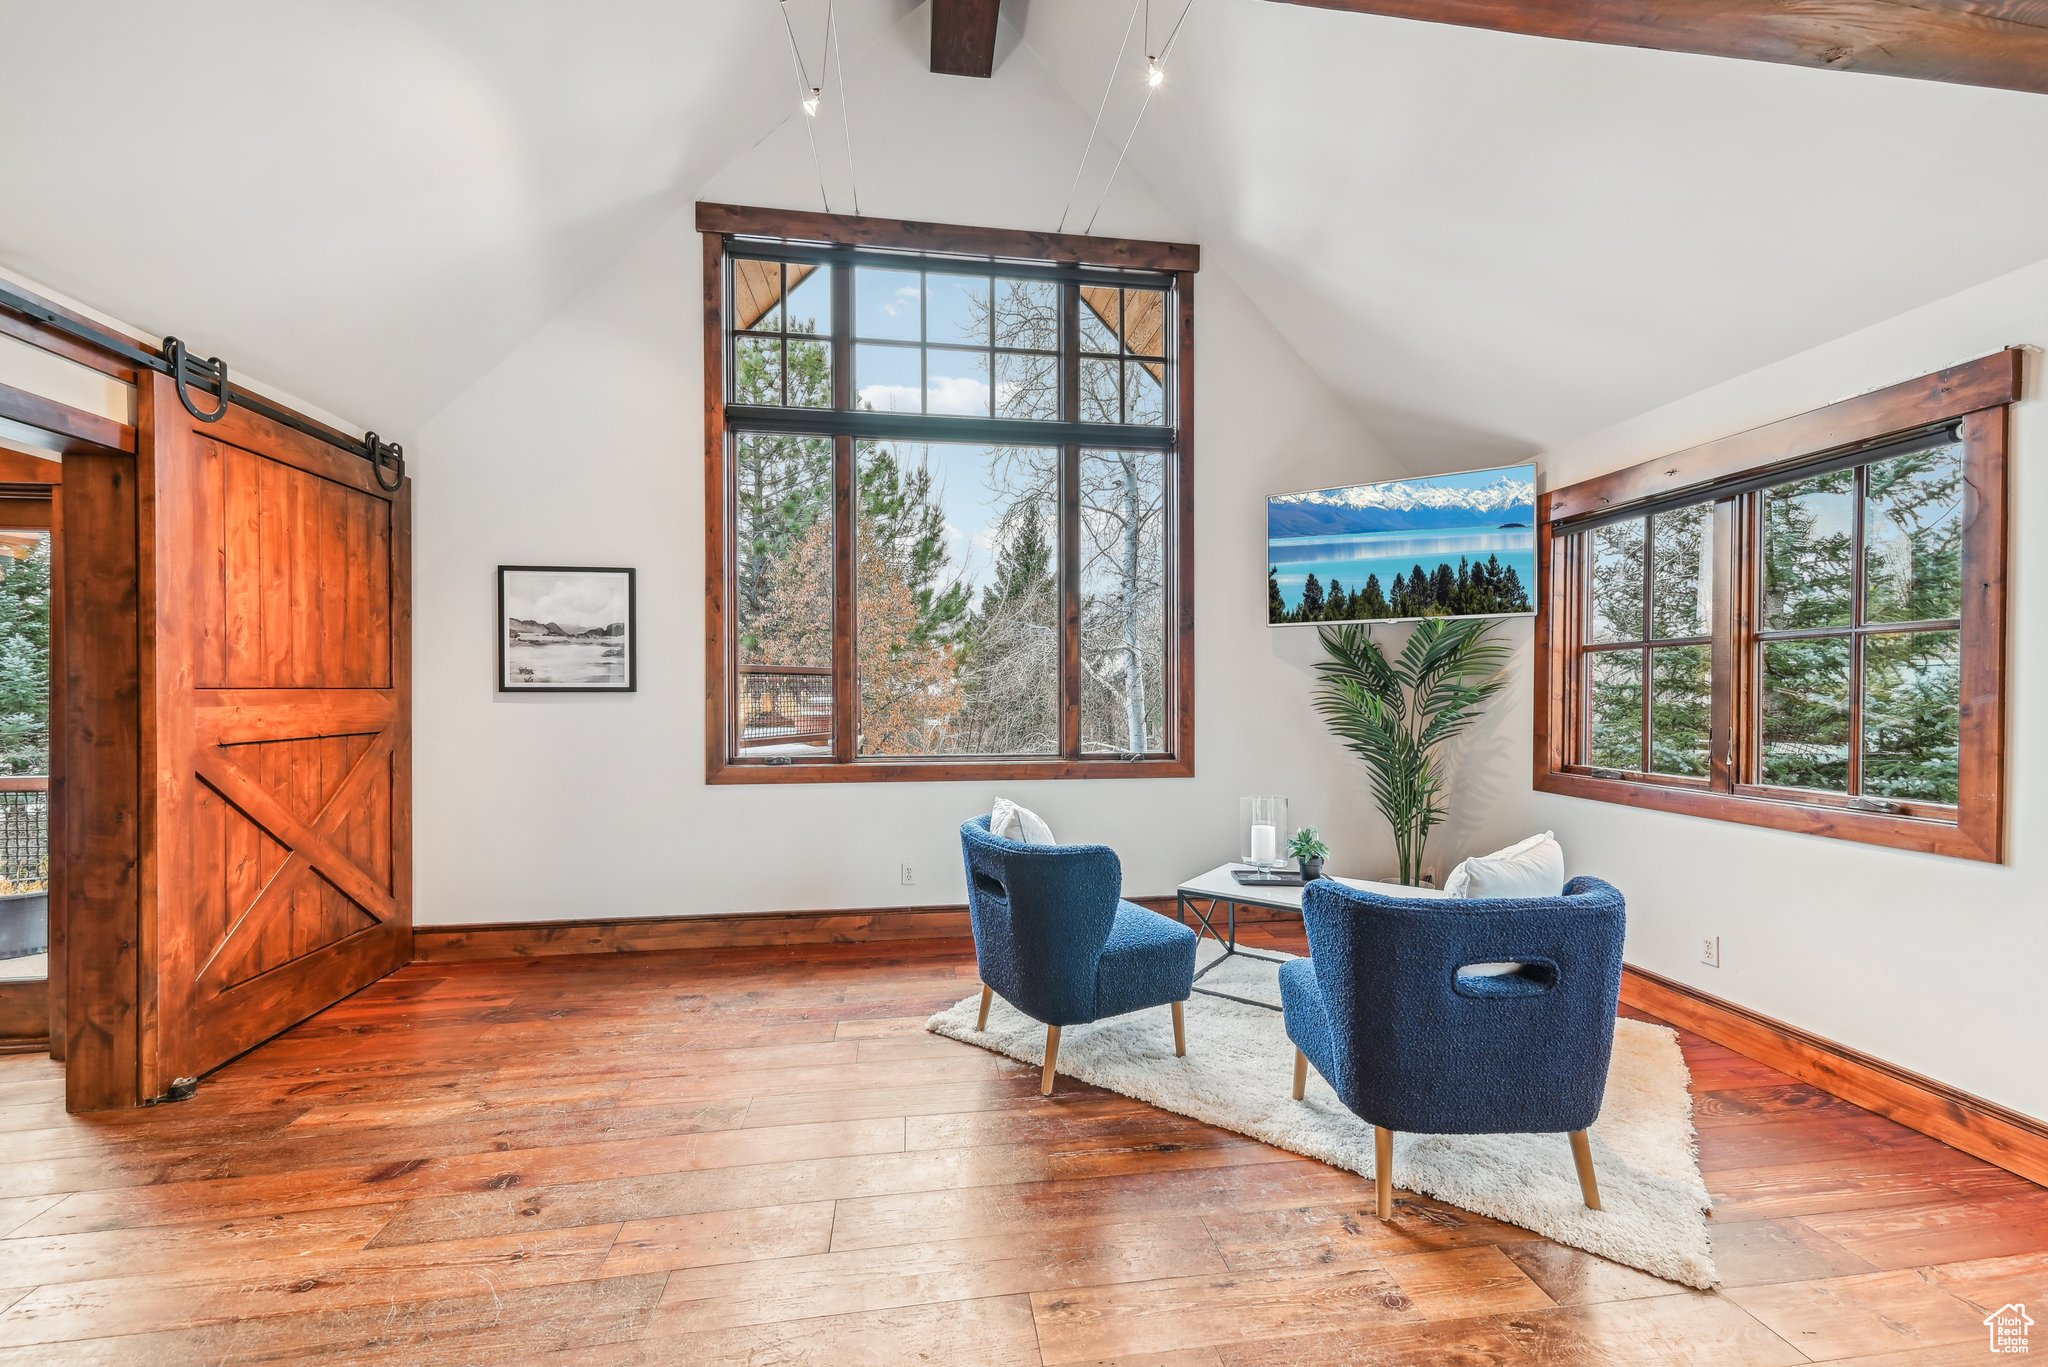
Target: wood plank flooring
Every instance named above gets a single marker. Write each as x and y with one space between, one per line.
759 1156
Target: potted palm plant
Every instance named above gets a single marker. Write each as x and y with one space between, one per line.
1309 851
1396 714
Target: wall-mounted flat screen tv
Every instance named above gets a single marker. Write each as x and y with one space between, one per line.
1460 545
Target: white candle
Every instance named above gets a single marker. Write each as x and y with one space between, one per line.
1265 844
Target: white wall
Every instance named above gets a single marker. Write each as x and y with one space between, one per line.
583 448
1928 962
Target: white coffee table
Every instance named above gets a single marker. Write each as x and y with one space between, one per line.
1207 894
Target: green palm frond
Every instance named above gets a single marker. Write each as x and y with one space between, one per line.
1397 714
1354 656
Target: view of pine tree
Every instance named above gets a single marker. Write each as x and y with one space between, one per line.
25 663
901 519
1671 548
1485 589
1375 598
1912 509
783 490
906 698
784 483
1913 565
1123 511
941 673
1910 678
1809 581
1009 656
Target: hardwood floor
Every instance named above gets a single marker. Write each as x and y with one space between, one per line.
760 1156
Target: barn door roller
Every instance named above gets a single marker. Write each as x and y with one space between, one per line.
213 372
188 372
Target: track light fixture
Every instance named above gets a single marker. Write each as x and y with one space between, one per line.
811 94
1155 77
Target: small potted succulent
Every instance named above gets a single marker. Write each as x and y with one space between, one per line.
1309 851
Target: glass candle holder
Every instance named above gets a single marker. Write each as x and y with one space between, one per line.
1263 832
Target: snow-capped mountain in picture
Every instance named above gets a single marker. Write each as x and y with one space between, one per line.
1460 545
1502 498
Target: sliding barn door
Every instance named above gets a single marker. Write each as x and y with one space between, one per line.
282 859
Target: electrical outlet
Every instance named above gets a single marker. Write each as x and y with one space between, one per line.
907 874
1710 950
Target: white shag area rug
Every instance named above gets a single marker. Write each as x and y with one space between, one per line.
1239 1072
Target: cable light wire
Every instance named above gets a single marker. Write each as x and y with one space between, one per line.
1150 91
803 92
1107 87
832 41
803 77
1174 34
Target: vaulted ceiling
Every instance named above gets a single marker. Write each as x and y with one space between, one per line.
1484 243
1489 243
368 202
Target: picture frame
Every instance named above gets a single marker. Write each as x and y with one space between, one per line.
567 629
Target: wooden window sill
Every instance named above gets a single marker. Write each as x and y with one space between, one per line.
944 770
1961 840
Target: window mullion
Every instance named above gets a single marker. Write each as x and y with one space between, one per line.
1730 561
782 338
1582 659
1856 619
845 607
1070 525
1649 633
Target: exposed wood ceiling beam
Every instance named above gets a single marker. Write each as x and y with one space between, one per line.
1997 43
964 37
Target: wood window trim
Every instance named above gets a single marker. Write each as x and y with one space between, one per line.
1974 398
717 223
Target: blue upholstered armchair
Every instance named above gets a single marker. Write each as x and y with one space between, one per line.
1409 1042
1054 937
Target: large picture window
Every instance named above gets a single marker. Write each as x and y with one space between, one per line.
949 485
1799 627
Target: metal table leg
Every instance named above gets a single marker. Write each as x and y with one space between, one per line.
1205 910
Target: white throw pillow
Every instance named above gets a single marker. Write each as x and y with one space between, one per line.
1531 868
1020 824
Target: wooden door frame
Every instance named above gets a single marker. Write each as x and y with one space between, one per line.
30 1011
97 458
106 659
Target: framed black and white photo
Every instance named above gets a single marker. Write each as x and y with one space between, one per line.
565 629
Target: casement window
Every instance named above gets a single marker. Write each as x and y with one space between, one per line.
949 495
1800 627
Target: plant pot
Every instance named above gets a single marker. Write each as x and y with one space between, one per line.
1311 869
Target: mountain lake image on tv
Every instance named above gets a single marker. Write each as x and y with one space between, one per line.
1460 545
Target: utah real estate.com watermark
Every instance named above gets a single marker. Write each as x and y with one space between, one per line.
2008 1326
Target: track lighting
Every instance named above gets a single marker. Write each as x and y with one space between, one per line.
811 102
1155 76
